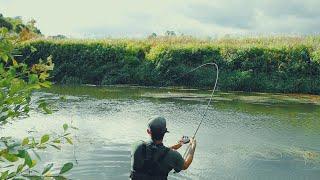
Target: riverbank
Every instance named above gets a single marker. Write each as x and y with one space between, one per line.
182 93
284 65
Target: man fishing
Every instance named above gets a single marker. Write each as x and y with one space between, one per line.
152 160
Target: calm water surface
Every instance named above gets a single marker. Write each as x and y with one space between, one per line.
244 136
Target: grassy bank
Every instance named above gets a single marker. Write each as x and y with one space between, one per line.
278 64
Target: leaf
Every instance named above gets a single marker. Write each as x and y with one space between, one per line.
20 167
47 110
73 127
45 84
11 175
65 127
4 175
34 163
5 57
57 141
59 178
66 167
43 76
44 106
69 140
28 160
44 138
47 168
21 153
17 107
25 141
8 166
32 177
10 157
55 146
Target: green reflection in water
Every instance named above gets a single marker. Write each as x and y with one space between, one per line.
301 111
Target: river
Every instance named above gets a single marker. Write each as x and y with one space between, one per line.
244 135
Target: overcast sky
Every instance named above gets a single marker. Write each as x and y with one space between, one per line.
139 18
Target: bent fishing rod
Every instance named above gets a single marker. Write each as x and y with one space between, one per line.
208 105
209 102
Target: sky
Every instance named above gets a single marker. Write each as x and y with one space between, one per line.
140 18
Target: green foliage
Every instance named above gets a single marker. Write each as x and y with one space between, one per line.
16 154
17 82
16 26
277 64
5 24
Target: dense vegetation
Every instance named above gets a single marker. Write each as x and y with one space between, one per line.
277 64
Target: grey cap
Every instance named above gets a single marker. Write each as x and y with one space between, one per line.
158 124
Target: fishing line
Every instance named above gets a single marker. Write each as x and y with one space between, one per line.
207 107
209 102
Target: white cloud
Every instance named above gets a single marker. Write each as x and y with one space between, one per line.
138 18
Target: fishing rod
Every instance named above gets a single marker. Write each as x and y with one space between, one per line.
209 102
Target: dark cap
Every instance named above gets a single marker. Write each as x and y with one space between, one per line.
158 125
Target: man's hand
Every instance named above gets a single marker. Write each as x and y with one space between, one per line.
184 140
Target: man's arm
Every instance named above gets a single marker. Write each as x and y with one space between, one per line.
176 146
190 154
183 140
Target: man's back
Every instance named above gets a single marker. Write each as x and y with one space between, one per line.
163 158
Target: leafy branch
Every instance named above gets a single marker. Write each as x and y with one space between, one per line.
17 159
17 82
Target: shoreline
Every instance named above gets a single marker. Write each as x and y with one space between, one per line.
110 91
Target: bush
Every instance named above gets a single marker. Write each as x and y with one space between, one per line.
274 65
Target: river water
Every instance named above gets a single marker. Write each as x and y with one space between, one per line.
244 135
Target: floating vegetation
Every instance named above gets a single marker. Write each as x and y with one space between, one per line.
255 98
281 153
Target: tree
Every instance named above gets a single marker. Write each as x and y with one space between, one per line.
170 33
16 25
59 36
152 36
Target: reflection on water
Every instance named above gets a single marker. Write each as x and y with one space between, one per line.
245 136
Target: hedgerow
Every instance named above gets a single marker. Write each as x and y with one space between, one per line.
264 65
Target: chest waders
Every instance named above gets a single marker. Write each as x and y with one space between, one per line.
151 168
